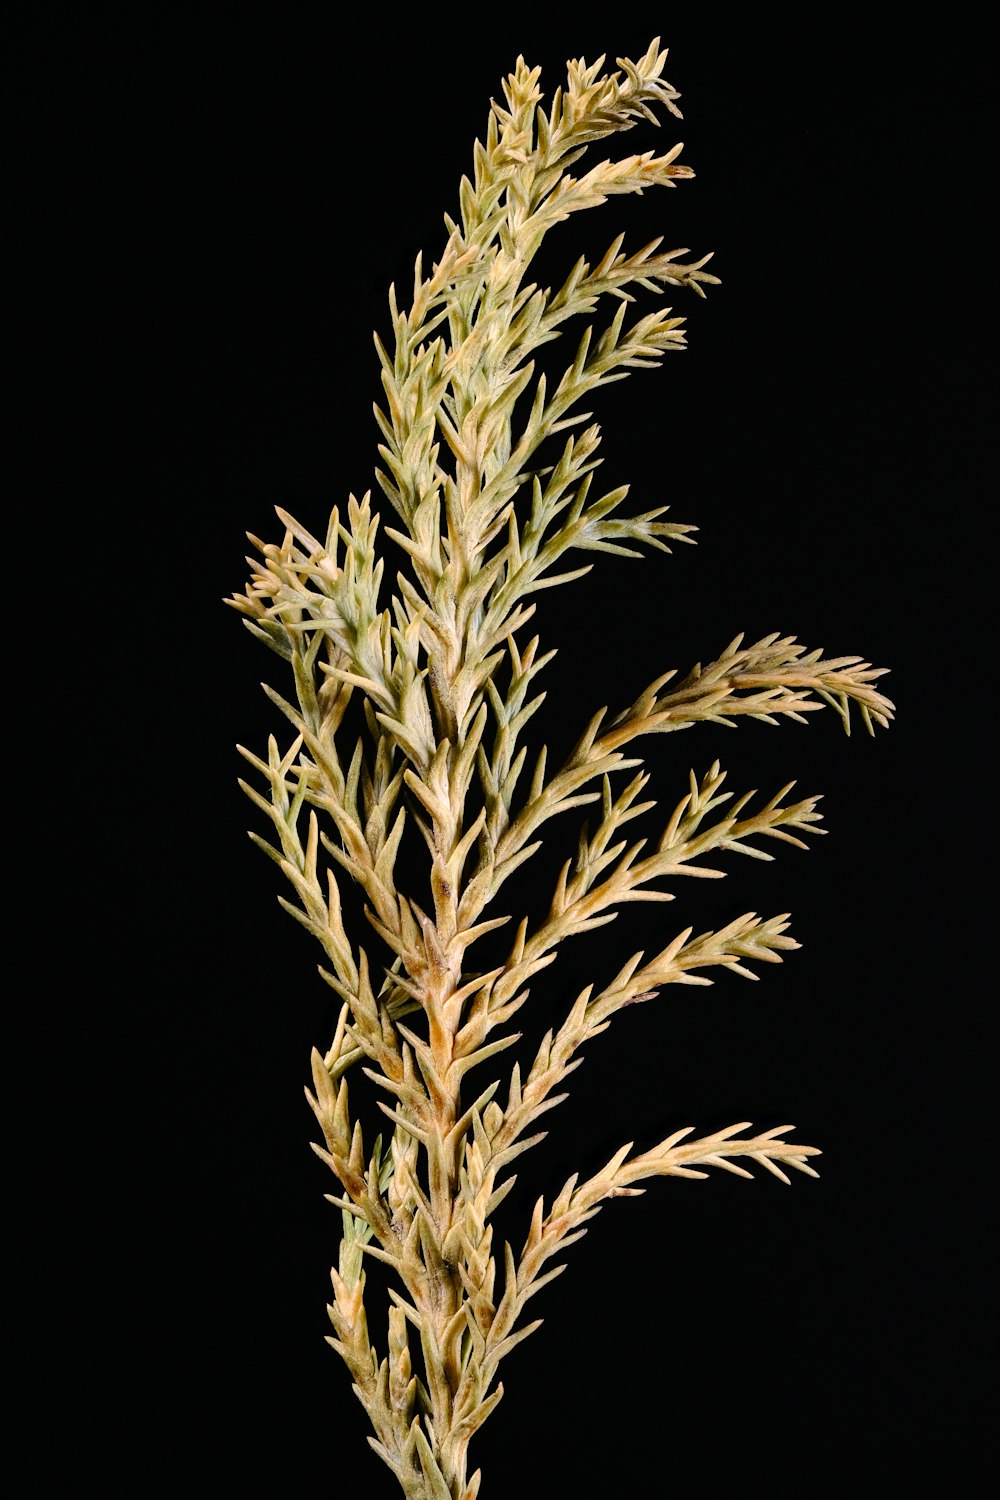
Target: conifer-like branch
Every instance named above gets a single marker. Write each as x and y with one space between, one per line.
489 469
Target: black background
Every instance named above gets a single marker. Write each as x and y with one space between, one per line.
209 204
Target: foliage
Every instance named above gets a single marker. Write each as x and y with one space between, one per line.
490 469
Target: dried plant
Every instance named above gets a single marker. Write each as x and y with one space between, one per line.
446 678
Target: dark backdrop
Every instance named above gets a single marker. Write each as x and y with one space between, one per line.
210 203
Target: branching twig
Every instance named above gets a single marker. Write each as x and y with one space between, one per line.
489 469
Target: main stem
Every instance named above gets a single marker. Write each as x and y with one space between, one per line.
443 1357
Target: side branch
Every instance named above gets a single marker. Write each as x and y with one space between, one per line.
576 1204
774 676
748 939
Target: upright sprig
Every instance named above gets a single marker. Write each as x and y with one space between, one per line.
490 471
